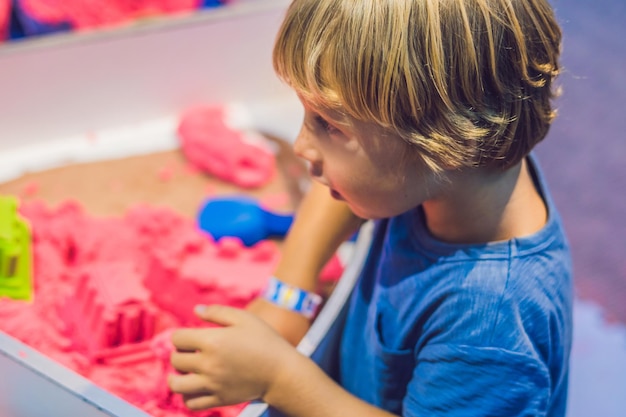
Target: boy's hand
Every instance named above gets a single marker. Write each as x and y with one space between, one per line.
227 365
290 325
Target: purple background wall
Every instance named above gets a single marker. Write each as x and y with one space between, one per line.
584 156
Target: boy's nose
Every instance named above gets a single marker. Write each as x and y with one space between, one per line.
304 149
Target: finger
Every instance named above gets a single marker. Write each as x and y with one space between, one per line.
222 315
193 384
187 340
201 402
186 362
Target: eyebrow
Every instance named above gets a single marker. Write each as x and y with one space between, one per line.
327 117
321 119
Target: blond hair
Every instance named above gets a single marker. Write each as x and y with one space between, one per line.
468 82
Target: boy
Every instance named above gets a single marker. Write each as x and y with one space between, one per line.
419 114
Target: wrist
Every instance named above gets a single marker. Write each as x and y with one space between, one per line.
289 374
305 278
292 298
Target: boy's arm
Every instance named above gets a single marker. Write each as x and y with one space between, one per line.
321 224
304 390
244 359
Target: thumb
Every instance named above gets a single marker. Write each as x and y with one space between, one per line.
219 314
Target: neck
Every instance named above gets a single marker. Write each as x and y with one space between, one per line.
483 206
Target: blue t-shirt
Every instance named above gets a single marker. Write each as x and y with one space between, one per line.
436 329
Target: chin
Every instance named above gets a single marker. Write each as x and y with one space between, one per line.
365 214
370 214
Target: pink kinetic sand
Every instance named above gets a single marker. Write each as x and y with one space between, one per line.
219 150
5 15
332 271
85 14
232 268
109 307
30 189
108 291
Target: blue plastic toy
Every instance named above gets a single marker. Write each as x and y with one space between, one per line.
242 217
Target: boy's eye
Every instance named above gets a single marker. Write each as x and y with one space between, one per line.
323 123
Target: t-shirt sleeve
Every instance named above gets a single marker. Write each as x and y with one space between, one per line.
459 380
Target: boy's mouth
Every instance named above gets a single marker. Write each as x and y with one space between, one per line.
336 195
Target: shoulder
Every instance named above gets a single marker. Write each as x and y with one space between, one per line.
497 295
